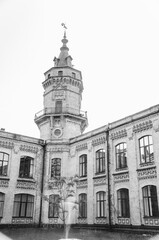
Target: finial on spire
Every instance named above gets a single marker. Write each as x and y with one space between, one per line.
64 26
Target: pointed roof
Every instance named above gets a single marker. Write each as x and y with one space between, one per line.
64 58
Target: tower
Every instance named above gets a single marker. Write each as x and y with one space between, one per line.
62 117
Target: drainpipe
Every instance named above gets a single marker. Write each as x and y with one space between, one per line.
42 185
108 176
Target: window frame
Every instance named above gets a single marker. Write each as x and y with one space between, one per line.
121 156
82 205
83 165
4 168
123 203
101 204
53 210
143 148
2 199
21 206
55 168
100 161
150 201
26 167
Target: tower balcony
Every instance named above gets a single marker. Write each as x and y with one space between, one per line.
60 111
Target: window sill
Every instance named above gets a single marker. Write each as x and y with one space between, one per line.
26 180
99 176
151 217
4 178
121 169
142 165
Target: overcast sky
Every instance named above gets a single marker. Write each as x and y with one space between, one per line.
115 43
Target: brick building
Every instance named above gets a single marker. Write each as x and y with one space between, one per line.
117 164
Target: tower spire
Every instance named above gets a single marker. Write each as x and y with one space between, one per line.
64 58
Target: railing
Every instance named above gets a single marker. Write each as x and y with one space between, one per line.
66 110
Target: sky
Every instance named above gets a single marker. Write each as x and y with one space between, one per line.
115 43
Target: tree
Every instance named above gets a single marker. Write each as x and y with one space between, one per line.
64 187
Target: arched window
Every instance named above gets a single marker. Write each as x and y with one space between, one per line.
83 205
53 206
150 202
26 167
121 156
55 168
23 206
83 165
123 203
146 149
4 159
101 204
2 195
100 161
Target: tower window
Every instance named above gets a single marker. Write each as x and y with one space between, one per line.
60 73
58 107
73 75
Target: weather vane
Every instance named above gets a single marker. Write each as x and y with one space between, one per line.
64 25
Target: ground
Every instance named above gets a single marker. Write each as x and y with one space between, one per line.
84 234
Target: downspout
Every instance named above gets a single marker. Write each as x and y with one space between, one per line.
42 185
108 176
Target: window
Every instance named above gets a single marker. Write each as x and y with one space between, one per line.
146 149
55 168
4 158
26 167
53 206
100 161
150 201
121 156
58 107
83 165
101 204
83 205
1 204
60 73
123 203
23 206
48 75
73 75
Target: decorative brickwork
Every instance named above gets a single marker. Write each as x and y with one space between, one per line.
142 126
99 181
26 184
22 220
82 220
151 221
4 182
121 176
147 173
124 221
6 144
101 220
82 184
119 134
53 220
81 147
27 148
58 149
98 141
